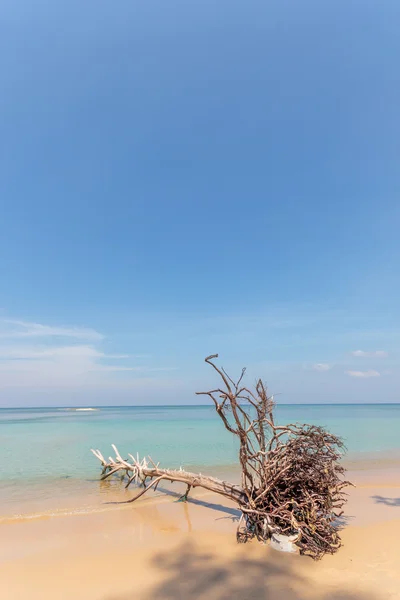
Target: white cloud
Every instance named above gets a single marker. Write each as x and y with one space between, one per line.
40 356
12 329
321 367
36 352
363 374
373 354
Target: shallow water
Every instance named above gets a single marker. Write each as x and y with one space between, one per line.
46 456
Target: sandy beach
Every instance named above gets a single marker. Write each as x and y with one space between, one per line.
162 549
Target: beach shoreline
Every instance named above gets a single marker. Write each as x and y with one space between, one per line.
124 551
54 497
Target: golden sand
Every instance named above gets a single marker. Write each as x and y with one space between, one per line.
159 549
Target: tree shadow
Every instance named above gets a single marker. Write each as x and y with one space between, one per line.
189 574
344 520
233 513
387 501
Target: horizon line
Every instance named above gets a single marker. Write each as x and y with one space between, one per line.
196 405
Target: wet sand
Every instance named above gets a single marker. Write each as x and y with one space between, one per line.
161 549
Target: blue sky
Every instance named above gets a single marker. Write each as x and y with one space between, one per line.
182 178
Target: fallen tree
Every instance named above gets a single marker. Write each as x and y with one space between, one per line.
292 480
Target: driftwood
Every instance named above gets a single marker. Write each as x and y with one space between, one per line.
139 471
292 480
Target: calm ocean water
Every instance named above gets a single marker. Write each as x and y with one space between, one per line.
42 448
53 442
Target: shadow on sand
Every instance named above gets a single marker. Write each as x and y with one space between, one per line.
387 501
232 513
189 574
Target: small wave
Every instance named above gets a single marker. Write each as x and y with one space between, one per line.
90 509
19 518
81 409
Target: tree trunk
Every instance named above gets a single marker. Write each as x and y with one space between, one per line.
140 471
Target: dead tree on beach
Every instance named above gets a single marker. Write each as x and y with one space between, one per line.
292 480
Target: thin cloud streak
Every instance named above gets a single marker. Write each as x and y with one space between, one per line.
373 354
37 352
363 374
26 329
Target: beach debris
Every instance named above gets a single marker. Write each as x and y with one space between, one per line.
292 480
284 543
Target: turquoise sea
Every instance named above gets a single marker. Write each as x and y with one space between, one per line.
46 451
